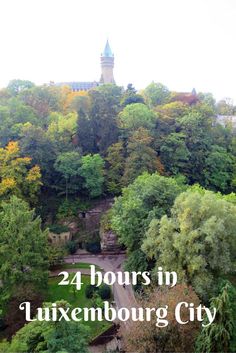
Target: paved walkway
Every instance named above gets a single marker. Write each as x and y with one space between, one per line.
124 297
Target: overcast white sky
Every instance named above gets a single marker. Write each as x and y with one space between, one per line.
181 43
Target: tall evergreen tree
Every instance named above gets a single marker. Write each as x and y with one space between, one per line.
23 259
218 336
141 156
116 163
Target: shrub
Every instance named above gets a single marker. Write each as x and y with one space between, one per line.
70 208
93 247
90 290
58 228
71 246
104 291
56 255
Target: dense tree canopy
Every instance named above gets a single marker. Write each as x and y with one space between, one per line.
42 336
219 169
97 124
23 258
68 164
92 170
131 96
184 135
17 86
17 177
156 94
147 148
141 156
115 170
135 116
148 197
196 127
219 336
61 130
175 154
174 338
203 223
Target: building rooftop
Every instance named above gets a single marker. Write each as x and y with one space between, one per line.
79 86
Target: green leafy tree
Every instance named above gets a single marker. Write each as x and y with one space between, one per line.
56 255
85 133
148 197
174 154
23 258
35 143
92 170
135 116
218 336
172 110
141 156
105 106
156 94
43 100
21 113
136 261
130 96
223 136
51 336
219 169
115 169
197 126
225 107
4 96
68 164
6 126
97 122
207 98
166 123
13 116
17 86
61 130
204 224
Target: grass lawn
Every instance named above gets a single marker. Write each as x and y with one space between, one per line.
75 299
78 265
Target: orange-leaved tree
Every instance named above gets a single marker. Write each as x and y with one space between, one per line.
147 337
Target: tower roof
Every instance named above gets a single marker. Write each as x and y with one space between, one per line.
107 50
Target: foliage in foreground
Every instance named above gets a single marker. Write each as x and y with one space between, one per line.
149 338
198 240
52 337
219 336
23 258
150 196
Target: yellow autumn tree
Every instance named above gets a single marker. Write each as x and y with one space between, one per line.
17 176
68 97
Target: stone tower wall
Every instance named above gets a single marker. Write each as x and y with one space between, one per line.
107 64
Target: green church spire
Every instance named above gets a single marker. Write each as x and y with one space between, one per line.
107 50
